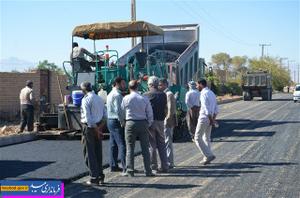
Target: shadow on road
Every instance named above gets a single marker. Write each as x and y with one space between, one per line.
221 140
15 168
222 169
155 185
239 165
231 127
198 172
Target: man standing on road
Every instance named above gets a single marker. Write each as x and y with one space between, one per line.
139 117
93 114
170 120
115 125
192 101
158 101
207 118
27 109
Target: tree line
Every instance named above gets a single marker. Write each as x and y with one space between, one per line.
227 72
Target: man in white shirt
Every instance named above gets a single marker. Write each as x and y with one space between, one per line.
27 109
139 117
192 101
115 125
93 114
207 118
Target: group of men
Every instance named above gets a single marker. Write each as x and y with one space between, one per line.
201 117
150 117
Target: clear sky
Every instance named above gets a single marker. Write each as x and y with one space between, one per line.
38 30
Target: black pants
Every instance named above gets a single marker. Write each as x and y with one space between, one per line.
92 150
27 114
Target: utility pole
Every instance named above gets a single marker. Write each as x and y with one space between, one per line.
263 48
298 73
281 59
133 18
289 61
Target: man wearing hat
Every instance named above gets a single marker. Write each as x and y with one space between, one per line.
192 101
27 110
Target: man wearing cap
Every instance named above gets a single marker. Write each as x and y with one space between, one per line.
170 120
93 114
27 109
158 101
192 101
139 117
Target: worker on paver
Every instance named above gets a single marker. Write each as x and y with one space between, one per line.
139 117
27 107
115 124
170 120
207 118
158 101
192 101
93 115
78 54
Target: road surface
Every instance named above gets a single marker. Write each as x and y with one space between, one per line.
258 155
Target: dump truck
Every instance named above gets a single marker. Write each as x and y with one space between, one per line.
257 84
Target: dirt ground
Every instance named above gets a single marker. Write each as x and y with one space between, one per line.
8 128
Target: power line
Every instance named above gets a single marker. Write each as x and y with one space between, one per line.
196 15
221 27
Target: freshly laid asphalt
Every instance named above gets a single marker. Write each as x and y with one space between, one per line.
257 149
46 159
258 154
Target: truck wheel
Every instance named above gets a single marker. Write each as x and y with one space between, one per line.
246 96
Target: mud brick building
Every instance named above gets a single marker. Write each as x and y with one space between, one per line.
45 84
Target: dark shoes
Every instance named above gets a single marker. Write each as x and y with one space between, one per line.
208 160
162 170
116 169
93 182
96 182
150 174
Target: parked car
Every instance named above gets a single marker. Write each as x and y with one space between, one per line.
297 93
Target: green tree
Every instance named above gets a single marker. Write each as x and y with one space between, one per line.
239 63
221 59
280 76
51 66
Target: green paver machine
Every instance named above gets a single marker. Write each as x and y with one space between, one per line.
138 66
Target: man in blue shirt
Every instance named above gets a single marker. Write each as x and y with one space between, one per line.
115 125
93 114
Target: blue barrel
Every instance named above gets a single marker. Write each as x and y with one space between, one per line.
77 97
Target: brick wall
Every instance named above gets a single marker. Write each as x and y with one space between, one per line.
45 83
